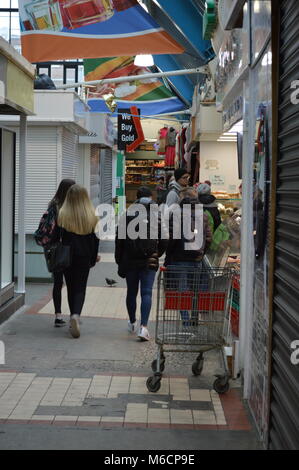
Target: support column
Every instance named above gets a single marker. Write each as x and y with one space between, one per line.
247 247
22 206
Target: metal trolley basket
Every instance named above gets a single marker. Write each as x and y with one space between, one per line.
193 305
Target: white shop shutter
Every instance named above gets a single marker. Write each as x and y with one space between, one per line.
41 173
95 181
70 155
106 176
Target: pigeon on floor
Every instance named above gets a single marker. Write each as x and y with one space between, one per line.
110 282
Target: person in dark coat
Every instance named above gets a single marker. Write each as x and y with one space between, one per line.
138 259
209 204
54 205
76 226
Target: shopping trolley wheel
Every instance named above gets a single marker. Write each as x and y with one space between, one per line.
221 385
197 367
154 365
153 383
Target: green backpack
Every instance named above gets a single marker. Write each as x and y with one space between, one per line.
221 234
210 219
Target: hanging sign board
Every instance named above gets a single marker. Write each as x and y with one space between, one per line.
218 180
130 133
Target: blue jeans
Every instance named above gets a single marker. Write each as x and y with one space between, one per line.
187 280
146 278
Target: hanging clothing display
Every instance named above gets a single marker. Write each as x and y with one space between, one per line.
170 147
162 140
177 147
177 151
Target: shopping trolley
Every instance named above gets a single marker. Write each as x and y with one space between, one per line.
192 316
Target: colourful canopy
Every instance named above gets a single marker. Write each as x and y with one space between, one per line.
68 29
151 96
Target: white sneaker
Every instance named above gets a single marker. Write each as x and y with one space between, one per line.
143 334
132 327
74 326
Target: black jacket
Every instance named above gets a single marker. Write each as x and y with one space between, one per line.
176 250
84 248
139 254
209 204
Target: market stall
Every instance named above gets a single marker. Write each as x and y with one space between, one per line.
143 168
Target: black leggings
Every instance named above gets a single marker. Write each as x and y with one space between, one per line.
76 281
58 283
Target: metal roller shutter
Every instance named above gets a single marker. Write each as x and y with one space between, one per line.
95 186
41 175
106 176
284 417
70 155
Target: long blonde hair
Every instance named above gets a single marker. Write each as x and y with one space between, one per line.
77 213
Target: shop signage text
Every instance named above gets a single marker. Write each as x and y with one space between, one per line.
232 60
233 113
130 133
217 180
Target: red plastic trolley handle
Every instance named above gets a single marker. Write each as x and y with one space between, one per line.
163 268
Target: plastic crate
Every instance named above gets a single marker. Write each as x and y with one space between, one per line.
207 301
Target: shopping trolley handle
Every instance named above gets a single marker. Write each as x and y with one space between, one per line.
163 268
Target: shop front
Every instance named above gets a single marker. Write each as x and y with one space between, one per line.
150 161
243 82
53 153
16 98
220 163
143 168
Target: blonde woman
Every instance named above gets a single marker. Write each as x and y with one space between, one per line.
78 220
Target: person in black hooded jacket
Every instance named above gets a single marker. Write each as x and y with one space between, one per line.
209 205
138 259
184 259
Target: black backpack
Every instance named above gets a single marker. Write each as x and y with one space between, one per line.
183 242
140 248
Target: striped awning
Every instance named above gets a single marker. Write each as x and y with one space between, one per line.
71 29
151 96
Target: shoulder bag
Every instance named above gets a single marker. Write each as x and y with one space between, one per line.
58 256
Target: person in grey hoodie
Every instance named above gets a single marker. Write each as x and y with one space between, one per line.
209 205
180 182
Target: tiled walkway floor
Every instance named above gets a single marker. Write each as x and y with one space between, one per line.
95 381
112 399
25 397
105 302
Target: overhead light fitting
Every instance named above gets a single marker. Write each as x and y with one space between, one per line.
109 99
144 60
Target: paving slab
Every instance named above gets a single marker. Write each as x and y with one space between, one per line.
90 392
